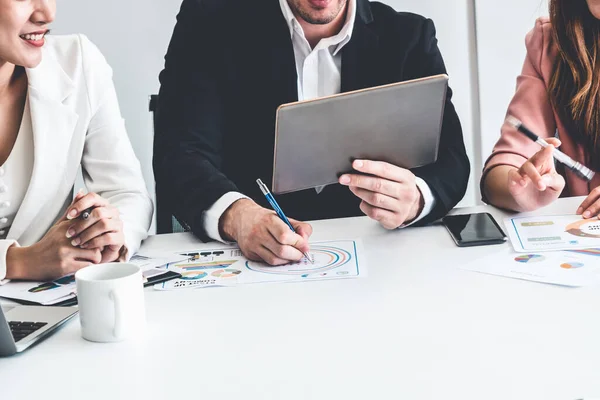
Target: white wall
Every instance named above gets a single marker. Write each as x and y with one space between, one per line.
501 29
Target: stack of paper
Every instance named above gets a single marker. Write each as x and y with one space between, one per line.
44 293
149 260
561 250
64 289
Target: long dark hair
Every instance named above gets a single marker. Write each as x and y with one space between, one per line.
575 84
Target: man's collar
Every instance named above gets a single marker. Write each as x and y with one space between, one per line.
288 15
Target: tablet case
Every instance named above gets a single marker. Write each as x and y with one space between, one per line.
317 140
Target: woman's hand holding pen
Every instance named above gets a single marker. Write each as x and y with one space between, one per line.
262 235
536 183
103 229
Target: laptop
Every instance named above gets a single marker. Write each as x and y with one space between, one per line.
317 140
23 326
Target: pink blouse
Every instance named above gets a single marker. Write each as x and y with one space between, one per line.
532 106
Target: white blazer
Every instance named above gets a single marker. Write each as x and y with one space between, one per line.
77 123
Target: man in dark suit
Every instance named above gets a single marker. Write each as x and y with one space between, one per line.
231 63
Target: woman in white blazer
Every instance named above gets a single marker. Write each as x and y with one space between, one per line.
59 112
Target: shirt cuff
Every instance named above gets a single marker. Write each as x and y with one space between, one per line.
428 201
4 246
212 216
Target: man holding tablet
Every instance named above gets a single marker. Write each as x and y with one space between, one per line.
232 63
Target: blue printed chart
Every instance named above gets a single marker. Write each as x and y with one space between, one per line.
205 268
330 260
228 267
552 233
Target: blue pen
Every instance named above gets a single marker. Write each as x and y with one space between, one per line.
278 210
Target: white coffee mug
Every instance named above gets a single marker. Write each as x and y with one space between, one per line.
111 302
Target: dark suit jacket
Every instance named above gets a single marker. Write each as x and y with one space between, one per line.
230 64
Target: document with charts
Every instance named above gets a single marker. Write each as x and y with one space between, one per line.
574 268
151 263
549 233
228 267
44 293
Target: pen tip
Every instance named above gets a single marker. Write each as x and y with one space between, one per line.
513 121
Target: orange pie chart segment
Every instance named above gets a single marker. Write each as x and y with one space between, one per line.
571 265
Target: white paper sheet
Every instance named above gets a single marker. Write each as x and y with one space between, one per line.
228 267
48 293
551 233
575 268
45 293
147 260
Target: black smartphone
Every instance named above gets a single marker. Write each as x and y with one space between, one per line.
474 229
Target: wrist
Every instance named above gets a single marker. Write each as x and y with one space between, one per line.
16 262
229 220
417 206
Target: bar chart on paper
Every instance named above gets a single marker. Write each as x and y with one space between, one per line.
550 233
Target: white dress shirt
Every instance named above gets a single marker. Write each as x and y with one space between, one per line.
319 72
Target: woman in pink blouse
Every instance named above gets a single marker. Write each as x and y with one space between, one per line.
557 97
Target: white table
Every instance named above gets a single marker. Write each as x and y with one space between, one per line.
416 328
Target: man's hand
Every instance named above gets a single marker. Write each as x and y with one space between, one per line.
389 195
262 235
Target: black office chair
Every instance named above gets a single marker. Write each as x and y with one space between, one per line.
165 221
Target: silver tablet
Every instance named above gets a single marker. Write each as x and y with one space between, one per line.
317 140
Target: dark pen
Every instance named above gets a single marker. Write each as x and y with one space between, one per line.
579 169
278 210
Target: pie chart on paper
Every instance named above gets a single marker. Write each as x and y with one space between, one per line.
226 273
530 258
572 265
